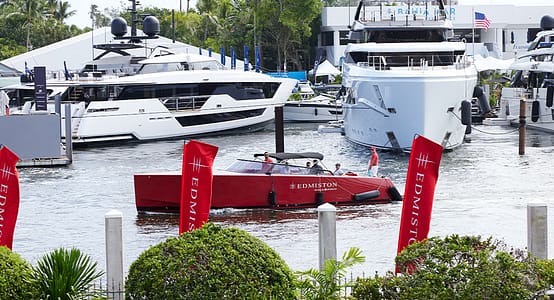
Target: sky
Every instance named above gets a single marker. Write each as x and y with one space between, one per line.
81 19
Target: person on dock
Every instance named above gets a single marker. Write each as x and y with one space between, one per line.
373 166
338 171
4 104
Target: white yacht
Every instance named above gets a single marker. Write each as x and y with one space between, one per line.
305 105
163 105
533 81
405 77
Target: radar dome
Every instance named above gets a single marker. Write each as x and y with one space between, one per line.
119 27
547 23
151 26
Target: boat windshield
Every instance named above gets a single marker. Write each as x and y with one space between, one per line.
260 167
406 35
180 66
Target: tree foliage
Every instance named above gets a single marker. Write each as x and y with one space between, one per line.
30 24
459 267
285 30
210 263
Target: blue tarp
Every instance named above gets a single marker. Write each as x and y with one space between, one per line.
299 75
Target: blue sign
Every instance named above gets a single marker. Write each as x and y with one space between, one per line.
233 59
245 58
257 52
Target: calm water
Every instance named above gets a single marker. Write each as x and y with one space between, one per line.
483 189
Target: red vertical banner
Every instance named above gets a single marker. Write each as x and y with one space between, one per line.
423 173
9 195
196 185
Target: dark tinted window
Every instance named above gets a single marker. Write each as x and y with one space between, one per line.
327 38
343 37
404 36
239 91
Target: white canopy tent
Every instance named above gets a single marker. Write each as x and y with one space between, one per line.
491 63
325 69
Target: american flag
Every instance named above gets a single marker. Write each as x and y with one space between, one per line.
482 21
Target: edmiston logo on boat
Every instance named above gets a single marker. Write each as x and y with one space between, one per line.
316 186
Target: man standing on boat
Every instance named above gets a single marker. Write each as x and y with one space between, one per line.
373 165
267 158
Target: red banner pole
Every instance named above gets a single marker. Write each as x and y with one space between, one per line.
421 179
9 195
196 185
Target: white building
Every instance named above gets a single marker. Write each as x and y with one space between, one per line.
512 26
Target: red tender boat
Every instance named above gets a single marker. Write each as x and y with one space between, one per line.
258 184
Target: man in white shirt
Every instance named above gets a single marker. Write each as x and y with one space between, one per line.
338 171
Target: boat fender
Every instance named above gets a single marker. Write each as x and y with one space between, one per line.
366 195
272 198
466 112
394 194
535 111
477 92
547 22
484 104
319 198
315 112
549 96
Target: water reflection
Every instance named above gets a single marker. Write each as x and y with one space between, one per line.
151 223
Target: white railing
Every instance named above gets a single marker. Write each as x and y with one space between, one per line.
381 62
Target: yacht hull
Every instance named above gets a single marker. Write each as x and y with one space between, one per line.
312 111
160 192
387 108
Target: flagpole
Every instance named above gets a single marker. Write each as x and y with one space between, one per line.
473 31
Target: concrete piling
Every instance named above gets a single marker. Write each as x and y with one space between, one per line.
537 230
327 217
114 254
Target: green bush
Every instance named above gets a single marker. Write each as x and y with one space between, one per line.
459 267
66 275
210 263
15 276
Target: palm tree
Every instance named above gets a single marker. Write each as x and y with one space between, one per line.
31 10
327 284
50 7
66 275
207 10
93 13
62 11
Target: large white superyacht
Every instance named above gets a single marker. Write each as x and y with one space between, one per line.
165 105
403 78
